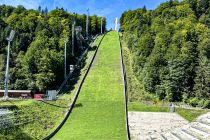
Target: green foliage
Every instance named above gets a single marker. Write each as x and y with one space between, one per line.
194 101
47 114
206 104
170 49
138 106
37 51
190 114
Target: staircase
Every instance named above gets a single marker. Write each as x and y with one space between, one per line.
198 130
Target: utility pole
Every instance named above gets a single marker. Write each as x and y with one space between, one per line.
73 31
66 41
101 25
87 23
9 39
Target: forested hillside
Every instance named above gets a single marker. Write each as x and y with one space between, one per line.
37 51
170 49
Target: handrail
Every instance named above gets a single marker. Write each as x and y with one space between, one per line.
125 89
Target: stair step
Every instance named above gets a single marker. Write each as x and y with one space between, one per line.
204 126
157 137
207 125
182 135
176 135
188 134
164 137
169 136
205 120
200 131
195 132
208 118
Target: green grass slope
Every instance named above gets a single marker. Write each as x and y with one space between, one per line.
99 111
47 114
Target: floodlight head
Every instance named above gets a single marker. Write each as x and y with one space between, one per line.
11 36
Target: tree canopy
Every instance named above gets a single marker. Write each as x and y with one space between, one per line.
170 48
37 51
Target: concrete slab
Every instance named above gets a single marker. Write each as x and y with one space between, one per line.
144 125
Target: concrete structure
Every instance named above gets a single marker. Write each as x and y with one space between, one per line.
17 93
51 94
167 126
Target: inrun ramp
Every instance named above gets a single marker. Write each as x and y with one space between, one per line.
99 112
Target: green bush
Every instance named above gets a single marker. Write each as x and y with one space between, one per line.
160 90
185 98
206 104
149 97
201 103
194 101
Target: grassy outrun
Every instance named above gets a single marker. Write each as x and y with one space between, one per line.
138 106
99 113
190 114
47 114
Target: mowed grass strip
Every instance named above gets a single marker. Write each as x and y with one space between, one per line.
99 113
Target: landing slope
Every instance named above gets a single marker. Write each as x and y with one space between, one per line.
99 110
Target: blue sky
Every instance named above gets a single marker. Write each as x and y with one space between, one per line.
108 8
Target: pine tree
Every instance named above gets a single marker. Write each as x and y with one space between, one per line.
202 80
144 9
39 9
45 10
171 3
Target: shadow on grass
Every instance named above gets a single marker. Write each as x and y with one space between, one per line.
93 48
55 105
78 105
14 133
7 105
74 78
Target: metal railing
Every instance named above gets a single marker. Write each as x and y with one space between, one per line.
77 64
125 89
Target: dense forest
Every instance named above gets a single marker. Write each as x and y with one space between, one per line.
170 49
37 51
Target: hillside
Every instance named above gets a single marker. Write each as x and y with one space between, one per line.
170 51
37 51
99 112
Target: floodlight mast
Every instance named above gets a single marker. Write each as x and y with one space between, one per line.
87 23
66 41
116 23
101 25
9 39
73 31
